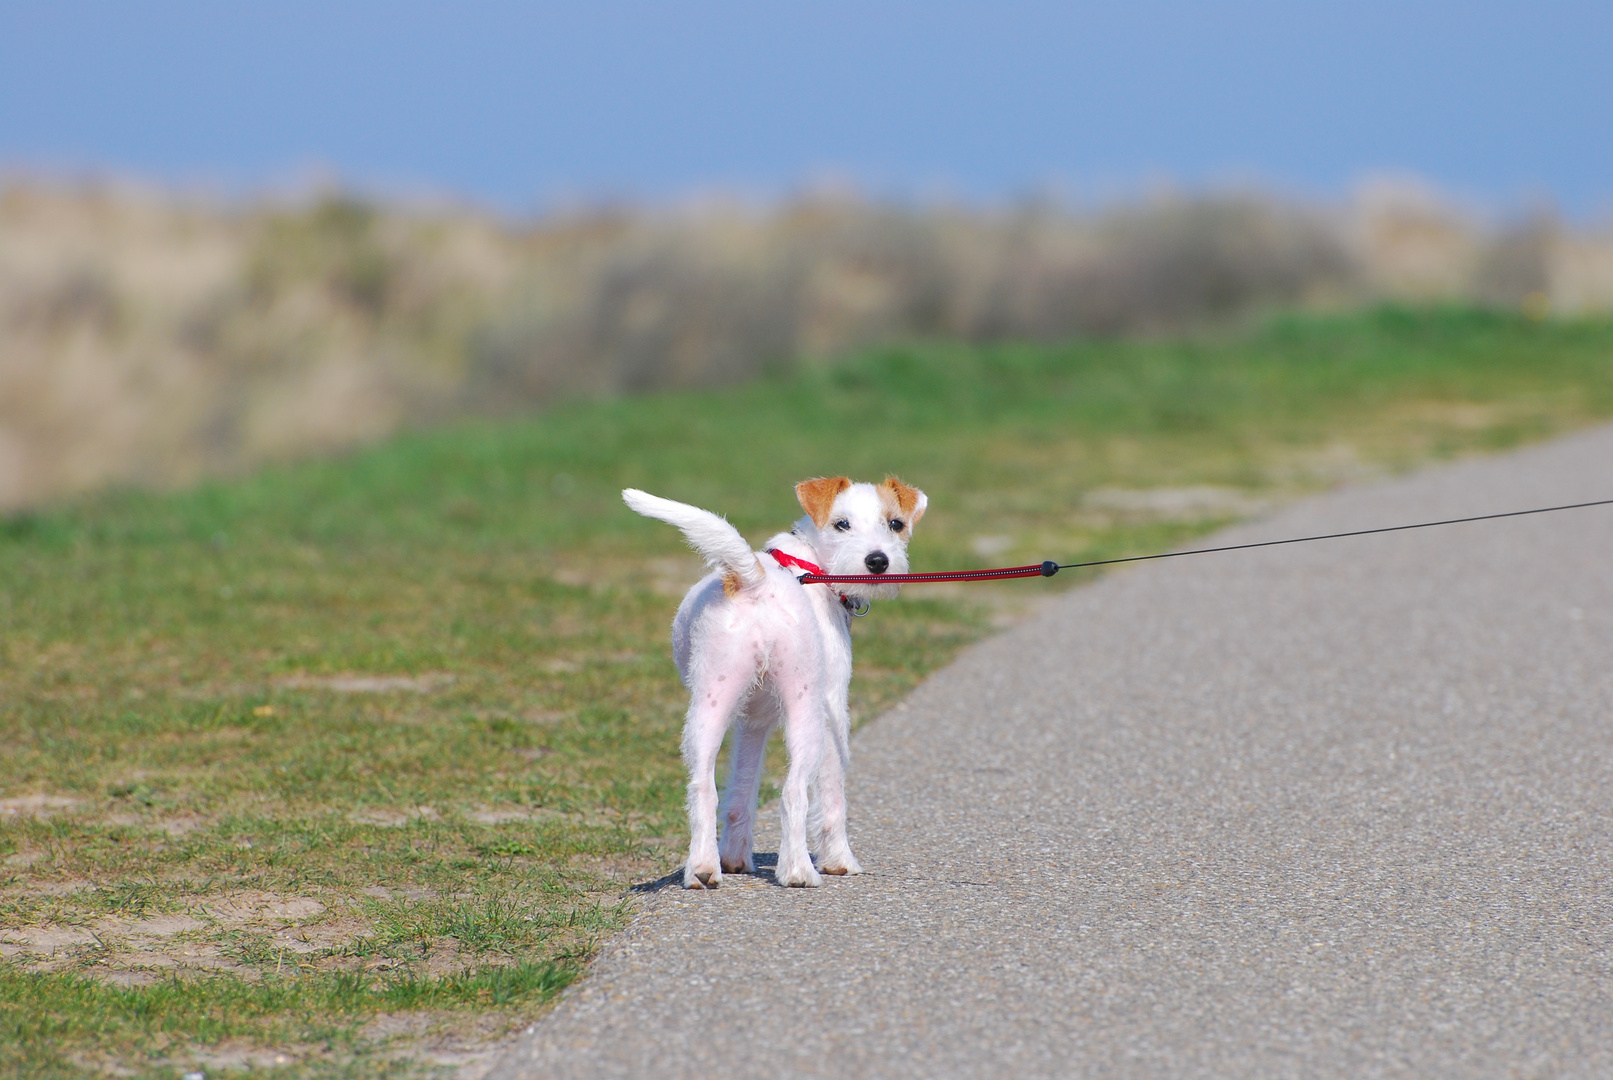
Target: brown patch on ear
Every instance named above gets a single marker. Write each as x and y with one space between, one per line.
907 498
888 504
817 496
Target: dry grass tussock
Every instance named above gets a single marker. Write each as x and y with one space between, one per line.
149 339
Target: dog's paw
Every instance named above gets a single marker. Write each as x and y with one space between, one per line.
735 854
839 862
701 877
841 867
799 877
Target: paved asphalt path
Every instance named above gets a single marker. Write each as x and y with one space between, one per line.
1335 810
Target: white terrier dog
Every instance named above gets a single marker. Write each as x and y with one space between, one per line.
752 642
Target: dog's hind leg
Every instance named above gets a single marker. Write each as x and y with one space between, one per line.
802 704
756 722
829 815
711 706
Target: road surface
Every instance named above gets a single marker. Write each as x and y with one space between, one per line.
1334 810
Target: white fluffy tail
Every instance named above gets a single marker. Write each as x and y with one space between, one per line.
718 542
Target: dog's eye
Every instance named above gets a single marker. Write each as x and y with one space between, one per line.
842 525
897 524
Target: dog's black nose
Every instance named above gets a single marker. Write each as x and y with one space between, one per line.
877 563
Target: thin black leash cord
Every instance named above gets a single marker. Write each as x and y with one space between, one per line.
1049 568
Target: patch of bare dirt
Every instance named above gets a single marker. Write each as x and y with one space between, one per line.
381 892
120 946
292 922
239 1055
157 926
545 716
393 818
470 1045
35 806
502 815
320 937
134 967
560 665
43 941
135 950
64 887
1466 415
426 683
178 825
252 906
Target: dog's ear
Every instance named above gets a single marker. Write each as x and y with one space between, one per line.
910 499
818 496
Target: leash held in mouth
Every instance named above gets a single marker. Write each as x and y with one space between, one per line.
1049 568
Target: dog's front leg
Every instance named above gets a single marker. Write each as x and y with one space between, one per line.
711 705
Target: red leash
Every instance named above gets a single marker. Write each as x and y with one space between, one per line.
815 576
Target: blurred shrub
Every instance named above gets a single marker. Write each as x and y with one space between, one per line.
150 339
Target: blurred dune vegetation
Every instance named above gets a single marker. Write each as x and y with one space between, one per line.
151 339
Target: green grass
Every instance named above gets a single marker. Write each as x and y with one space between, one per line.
257 861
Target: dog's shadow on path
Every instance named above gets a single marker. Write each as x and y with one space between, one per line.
766 864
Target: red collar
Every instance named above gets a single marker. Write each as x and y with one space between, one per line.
784 559
790 560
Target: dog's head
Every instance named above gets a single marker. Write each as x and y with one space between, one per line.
861 528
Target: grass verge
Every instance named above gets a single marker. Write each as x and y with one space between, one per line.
351 761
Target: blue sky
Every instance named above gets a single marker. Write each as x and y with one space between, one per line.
521 105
